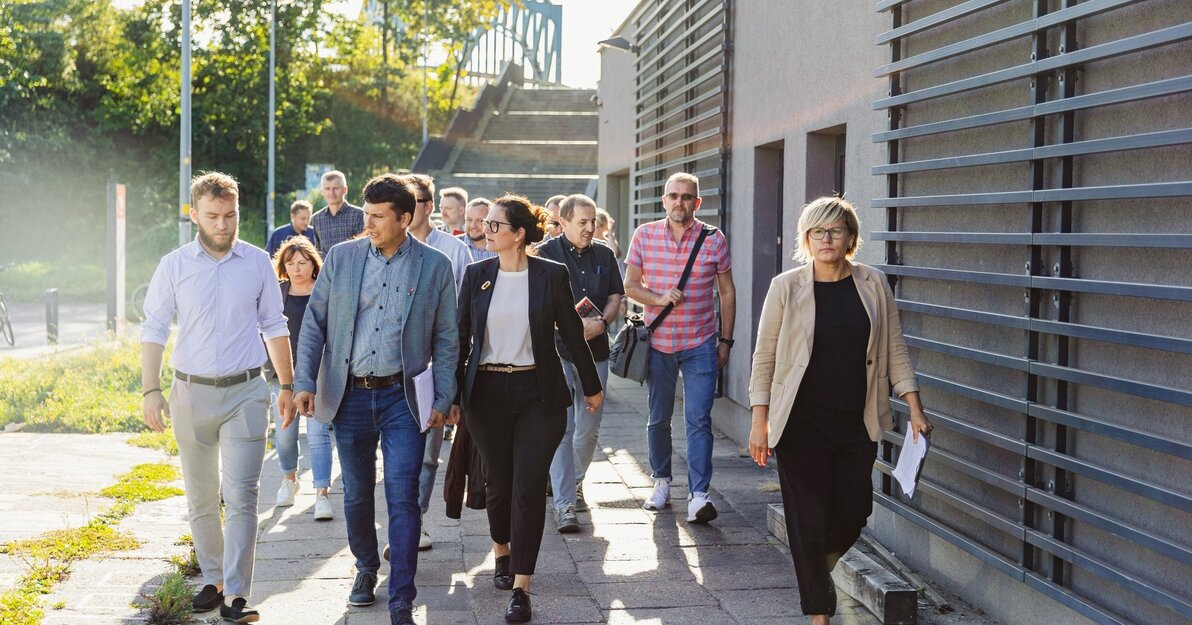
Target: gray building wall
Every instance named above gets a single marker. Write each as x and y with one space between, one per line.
803 74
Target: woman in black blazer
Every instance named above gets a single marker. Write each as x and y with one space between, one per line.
512 386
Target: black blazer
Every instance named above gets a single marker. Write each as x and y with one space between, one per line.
550 307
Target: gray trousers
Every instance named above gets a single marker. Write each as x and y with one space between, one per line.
221 445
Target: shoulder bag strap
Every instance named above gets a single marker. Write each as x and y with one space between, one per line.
703 234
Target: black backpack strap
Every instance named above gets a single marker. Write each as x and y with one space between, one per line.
703 234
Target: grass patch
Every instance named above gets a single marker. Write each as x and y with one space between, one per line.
146 482
91 391
75 281
161 441
170 605
187 565
50 555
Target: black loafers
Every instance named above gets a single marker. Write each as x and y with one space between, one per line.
239 612
502 577
519 607
208 599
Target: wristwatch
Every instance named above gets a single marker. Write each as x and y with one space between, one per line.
729 342
287 387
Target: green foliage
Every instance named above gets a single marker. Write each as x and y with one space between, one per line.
161 441
170 604
93 390
20 606
72 544
146 482
187 565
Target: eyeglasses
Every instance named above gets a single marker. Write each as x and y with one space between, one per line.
494 226
835 233
554 224
423 200
686 197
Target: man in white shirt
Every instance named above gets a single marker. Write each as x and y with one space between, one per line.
226 298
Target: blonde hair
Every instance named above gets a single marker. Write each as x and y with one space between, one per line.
215 185
826 210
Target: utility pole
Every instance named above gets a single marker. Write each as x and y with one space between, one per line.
425 62
184 132
272 118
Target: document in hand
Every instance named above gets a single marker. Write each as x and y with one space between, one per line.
910 462
587 309
424 390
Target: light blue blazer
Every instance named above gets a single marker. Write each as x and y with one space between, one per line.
430 333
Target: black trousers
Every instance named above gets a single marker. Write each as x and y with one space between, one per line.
827 495
517 435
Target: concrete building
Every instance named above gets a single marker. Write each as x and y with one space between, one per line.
1024 174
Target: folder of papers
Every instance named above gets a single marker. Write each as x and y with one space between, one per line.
424 392
910 461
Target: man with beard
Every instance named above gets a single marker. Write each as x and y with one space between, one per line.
226 297
452 201
687 341
473 235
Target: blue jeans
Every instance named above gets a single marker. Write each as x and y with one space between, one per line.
318 444
575 451
699 368
364 418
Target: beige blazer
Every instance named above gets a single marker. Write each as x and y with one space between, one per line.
786 333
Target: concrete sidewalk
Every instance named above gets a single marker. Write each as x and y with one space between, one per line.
625 566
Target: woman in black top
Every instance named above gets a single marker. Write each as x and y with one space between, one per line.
511 383
829 349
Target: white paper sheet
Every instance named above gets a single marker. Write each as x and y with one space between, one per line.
909 461
424 390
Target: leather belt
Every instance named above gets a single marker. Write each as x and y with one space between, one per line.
222 381
493 368
372 382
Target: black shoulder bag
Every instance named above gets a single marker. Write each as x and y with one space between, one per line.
629 355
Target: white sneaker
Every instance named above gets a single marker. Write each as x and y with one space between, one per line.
286 492
323 510
661 497
424 541
700 508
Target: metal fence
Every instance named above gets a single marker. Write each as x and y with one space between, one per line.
1039 235
681 85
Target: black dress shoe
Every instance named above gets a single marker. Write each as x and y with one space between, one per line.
519 607
239 612
502 577
208 599
401 616
363 589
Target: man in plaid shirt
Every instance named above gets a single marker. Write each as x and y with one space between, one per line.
340 221
687 340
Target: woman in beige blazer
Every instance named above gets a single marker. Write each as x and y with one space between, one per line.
829 349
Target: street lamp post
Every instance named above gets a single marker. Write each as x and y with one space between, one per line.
184 134
272 118
425 62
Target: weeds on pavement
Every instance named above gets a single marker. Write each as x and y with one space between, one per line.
170 605
162 441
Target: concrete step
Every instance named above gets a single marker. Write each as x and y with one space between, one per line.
545 127
526 158
552 100
538 189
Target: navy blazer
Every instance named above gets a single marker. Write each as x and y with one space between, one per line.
427 339
549 307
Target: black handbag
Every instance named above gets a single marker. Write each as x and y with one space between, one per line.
629 355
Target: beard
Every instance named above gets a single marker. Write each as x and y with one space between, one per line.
478 239
210 242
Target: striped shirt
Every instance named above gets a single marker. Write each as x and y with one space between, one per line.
662 261
337 228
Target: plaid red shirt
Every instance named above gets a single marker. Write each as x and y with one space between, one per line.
654 251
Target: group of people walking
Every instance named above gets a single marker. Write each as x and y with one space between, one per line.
380 330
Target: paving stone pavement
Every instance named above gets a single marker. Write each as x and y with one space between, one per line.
625 566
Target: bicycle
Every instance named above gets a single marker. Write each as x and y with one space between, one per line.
5 323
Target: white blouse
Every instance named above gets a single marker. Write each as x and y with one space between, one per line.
507 329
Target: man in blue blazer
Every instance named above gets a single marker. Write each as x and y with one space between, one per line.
382 312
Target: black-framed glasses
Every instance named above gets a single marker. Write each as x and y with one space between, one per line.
555 224
494 226
686 197
423 200
819 233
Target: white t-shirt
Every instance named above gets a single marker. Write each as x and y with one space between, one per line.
507 330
